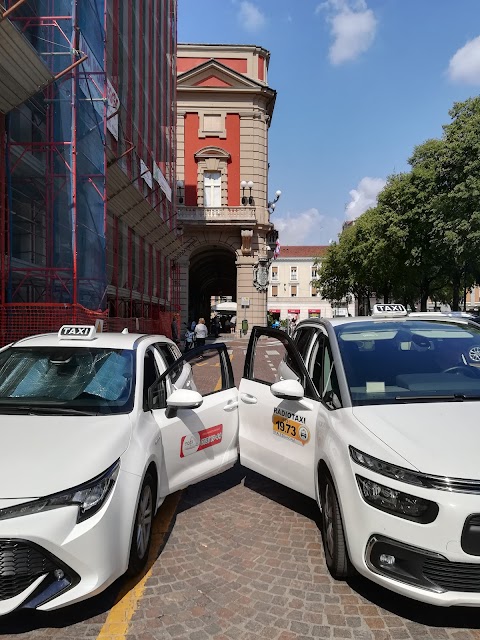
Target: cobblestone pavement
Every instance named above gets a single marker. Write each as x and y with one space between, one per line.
242 560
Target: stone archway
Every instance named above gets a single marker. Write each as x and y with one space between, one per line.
212 272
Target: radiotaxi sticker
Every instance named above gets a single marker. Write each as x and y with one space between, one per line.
290 426
201 440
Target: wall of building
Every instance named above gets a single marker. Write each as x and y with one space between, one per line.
290 291
89 213
223 117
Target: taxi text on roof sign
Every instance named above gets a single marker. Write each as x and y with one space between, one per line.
388 310
76 332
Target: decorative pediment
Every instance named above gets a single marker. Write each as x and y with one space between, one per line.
212 81
216 75
212 152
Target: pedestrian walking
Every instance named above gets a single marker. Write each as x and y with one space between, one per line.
189 339
174 327
201 332
233 324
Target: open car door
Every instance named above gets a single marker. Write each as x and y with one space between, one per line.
278 409
195 404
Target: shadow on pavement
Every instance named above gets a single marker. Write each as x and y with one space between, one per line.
419 612
198 493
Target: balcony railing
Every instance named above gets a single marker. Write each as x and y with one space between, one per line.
216 214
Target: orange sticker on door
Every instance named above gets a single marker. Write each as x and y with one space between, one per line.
289 426
201 440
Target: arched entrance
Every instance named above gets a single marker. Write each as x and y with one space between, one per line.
212 273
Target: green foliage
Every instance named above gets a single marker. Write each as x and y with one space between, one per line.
422 240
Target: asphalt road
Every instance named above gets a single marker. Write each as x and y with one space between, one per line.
240 557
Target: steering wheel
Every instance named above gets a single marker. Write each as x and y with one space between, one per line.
463 369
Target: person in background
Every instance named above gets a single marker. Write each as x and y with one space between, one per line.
175 337
216 326
201 332
193 324
233 324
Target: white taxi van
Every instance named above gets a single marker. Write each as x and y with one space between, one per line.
375 418
388 406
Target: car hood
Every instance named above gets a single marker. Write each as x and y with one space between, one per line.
437 438
40 455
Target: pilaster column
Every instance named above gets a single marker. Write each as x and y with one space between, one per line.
184 266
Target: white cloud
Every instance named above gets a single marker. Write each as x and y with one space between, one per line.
306 228
464 66
353 27
364 196
250 16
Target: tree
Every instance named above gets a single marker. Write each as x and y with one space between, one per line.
459 182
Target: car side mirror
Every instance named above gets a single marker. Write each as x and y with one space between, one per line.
287 390
182 399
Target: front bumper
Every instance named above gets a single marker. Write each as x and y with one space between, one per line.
48 560
435 562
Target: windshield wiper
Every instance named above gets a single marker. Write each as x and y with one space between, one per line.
455 397
43 409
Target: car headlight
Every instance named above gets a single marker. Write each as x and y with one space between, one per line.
396 502
389 470
88 497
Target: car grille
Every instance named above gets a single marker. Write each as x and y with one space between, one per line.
20 565
452 576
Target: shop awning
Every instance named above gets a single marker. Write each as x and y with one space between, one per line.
225 306
314 311
274 311
293 310
22 72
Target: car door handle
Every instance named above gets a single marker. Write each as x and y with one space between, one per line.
232 404
248 399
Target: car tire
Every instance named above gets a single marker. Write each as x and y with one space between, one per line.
334 543
142 527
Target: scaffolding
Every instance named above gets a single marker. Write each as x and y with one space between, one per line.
63 250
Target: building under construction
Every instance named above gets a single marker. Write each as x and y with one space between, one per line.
87 165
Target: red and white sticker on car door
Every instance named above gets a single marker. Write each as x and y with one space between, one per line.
201 440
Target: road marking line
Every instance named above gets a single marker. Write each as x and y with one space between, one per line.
116 625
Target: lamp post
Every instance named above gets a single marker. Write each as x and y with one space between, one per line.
272 203
180 190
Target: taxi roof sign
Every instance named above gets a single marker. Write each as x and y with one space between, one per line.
77 332
391 310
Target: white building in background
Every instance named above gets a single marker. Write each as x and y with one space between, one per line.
290 293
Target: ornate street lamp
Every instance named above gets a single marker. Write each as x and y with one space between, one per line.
246 185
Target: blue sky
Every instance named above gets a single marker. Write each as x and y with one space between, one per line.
359 82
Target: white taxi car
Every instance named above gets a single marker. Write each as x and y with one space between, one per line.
377 421
91 446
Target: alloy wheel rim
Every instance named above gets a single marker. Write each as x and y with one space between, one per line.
144 521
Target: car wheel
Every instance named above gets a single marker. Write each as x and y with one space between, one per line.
142 529
334 545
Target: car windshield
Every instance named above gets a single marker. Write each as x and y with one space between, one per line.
74 381
410 361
